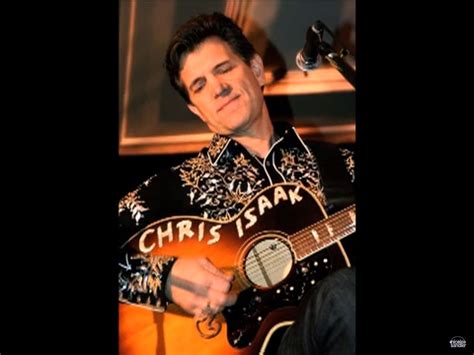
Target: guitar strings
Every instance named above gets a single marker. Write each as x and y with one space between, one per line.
304 244
271 260
275 271
339 224
303 241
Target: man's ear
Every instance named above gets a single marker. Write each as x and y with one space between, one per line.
256 64
196 111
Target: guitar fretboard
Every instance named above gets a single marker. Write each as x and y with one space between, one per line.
324 233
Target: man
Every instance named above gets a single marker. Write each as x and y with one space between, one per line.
220 76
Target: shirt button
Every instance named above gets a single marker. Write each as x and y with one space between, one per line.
267 163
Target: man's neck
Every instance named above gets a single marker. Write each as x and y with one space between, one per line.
260 139
258 146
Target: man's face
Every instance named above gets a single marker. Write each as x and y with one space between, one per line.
224 91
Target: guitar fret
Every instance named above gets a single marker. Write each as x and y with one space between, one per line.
324 233
315 235
305 249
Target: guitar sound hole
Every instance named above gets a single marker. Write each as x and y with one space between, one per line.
268 262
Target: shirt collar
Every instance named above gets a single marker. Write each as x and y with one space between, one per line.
220 144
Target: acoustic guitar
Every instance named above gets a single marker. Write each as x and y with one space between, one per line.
278 247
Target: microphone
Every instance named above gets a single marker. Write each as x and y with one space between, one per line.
309 57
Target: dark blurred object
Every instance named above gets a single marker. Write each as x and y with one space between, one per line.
344 38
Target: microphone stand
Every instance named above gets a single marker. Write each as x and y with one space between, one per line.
335 59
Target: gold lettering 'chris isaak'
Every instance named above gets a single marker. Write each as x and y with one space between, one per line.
155 236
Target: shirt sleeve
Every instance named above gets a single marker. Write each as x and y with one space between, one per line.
142 280
349 161
141 277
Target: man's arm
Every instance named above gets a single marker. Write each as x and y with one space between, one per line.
194 284
154 281
142 280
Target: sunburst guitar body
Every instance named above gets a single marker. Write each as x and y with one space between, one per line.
278 247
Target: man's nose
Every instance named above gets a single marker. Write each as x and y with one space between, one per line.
221 89
225 90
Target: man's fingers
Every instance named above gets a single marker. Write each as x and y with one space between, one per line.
209 266
219 284
219 299
199 287
230 299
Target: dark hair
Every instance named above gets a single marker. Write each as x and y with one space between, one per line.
194 32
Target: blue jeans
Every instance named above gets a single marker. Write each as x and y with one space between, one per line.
326 323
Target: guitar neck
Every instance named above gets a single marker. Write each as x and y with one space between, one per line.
324 233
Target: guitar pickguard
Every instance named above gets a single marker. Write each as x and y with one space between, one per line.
255 304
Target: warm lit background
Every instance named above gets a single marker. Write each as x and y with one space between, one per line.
154 119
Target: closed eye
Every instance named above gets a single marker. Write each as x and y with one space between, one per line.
223 68
198 85
219 69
